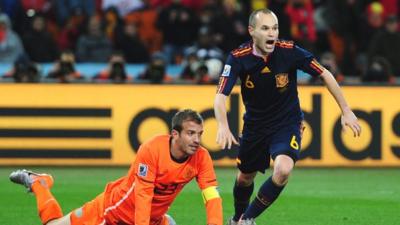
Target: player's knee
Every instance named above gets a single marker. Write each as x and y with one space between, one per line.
242 182
245 179
281 175
283 166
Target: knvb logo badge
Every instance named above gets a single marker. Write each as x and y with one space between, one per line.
143 168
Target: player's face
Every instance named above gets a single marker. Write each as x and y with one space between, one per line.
188 140
264 33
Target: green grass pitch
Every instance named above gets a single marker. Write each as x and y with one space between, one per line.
312 197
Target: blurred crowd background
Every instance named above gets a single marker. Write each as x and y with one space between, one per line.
187 41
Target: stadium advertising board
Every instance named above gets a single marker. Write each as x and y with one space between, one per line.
104 124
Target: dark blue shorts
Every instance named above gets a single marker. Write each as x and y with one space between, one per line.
256 149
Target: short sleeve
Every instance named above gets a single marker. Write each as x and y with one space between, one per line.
306 62
145 167
229 75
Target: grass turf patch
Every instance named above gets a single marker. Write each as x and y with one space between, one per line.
313 196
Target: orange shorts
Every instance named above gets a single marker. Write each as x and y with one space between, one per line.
91 213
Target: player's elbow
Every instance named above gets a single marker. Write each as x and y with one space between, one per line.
281 176
219 99
326 76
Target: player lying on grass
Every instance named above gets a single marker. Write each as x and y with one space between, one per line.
163 166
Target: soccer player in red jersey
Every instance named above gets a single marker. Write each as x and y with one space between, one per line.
163 166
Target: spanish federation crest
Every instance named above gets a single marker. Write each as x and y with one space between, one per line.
189 173
282 79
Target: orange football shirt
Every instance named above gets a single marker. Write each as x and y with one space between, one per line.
154 180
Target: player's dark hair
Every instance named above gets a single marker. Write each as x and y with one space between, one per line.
252 18
185 115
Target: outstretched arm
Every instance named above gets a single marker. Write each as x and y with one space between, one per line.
348 118
225 137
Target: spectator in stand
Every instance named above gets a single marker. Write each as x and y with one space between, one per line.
205 47
207 52
24 10
145 20
178 25
23 71
11 8
386 44
194 71
196 5
379 70
279 6
391 7
124 7
343 18
233 28
156 71
38 43
38 6
94 46
328 60
321 28
115 71
15 12
113 23
67 8
69 34
10 43
190 65
64 70
212 17
302 26
372 23
131 45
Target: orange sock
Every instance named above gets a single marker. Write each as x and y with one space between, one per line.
47 205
